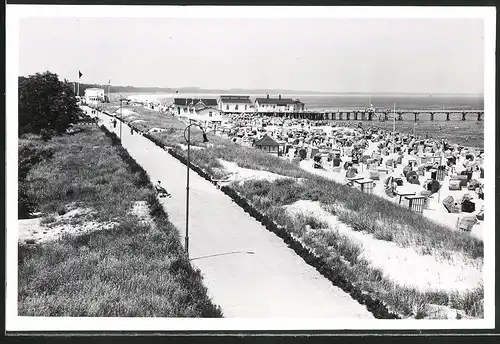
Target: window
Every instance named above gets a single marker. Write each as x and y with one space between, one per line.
227 107
246 106
236 107
210 114
185 110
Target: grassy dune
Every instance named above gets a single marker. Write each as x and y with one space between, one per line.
134 269
362 212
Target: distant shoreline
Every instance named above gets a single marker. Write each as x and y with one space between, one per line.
303 93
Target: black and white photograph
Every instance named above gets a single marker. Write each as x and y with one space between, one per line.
191 168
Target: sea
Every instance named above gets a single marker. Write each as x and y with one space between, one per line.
468 133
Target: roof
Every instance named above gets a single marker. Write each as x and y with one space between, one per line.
236 99
275 101
207 108
266 141
194 101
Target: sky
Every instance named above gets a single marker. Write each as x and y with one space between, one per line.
311 54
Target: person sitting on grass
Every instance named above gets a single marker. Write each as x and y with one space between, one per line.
161 191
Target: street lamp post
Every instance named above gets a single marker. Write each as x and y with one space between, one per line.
188 140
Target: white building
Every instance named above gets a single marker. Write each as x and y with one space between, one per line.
278 104
236 104
189 107
94 96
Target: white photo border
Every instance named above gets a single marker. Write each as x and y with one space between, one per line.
43 324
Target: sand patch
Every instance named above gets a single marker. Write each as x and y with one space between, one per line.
156 130
185 147
125 112
404 266
75 222
240 174
141 210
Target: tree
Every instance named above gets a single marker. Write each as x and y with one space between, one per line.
46 105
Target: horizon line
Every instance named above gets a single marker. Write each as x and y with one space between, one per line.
196 89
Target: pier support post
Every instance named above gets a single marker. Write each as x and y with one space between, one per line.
385 116
479 116
370 116
340 115
355 116
447 116
415 114
348 115
432 116
463 116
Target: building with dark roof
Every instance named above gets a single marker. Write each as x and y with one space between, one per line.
194 101
279 104
195 106
189 105
236 104
269 145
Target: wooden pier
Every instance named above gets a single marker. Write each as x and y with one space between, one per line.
360 115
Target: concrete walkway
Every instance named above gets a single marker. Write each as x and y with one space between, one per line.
248 271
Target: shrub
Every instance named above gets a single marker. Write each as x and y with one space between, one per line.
46 105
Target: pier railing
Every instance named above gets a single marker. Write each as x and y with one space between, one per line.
358 115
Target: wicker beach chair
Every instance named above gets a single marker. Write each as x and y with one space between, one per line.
466 223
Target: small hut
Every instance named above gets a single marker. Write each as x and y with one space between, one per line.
268 144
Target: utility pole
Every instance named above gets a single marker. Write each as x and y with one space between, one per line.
394 120
121 116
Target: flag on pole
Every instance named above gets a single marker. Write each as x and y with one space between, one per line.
79 75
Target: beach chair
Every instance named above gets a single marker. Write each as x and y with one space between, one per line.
468 206
421 170
466 223
412 178
480 215
375 175
454 185
389 191
448 202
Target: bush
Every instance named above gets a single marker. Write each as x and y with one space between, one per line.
46 105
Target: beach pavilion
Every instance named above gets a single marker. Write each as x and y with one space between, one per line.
268 144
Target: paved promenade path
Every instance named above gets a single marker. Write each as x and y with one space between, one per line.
272 281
